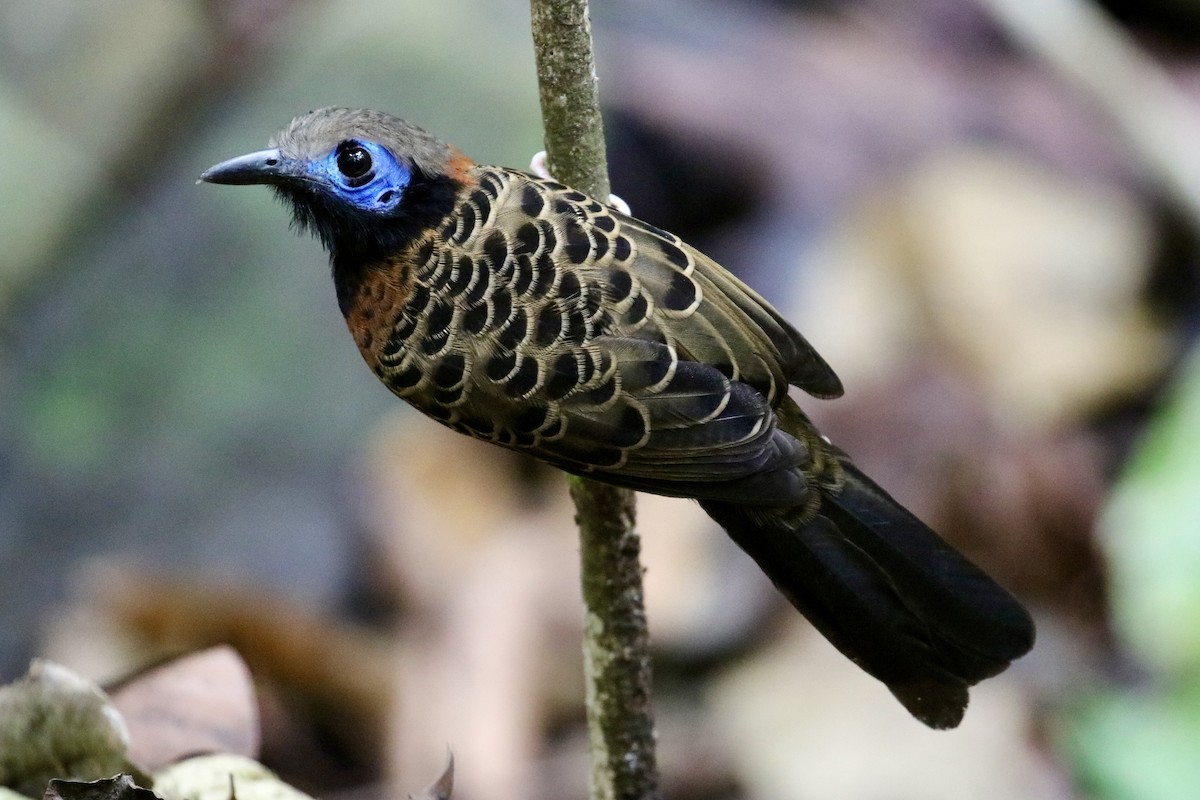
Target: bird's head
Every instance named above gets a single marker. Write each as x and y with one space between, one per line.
362 181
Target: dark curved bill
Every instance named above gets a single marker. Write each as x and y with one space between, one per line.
264 166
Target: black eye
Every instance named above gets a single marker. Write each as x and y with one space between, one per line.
353 160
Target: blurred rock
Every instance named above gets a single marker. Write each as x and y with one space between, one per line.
55 723
800 724
1031 282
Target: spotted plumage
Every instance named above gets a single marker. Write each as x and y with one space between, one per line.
522 312
543 320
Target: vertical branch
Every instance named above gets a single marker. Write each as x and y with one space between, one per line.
616 645
616 641
574 129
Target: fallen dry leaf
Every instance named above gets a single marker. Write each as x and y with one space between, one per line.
120 787
442 788
200 703
222 777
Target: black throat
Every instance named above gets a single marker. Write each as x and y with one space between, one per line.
358 241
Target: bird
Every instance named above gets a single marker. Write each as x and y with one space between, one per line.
519 311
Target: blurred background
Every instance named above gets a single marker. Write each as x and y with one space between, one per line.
983 214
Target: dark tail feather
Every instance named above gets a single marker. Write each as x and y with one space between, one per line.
888 593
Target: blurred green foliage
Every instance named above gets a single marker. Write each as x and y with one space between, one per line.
1143 741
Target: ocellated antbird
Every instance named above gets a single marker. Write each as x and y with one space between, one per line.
521 312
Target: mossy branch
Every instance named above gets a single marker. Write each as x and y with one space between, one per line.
616 641
573 127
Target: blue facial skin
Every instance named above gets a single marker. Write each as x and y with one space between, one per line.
379 190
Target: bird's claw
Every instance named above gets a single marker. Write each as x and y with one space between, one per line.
538 166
